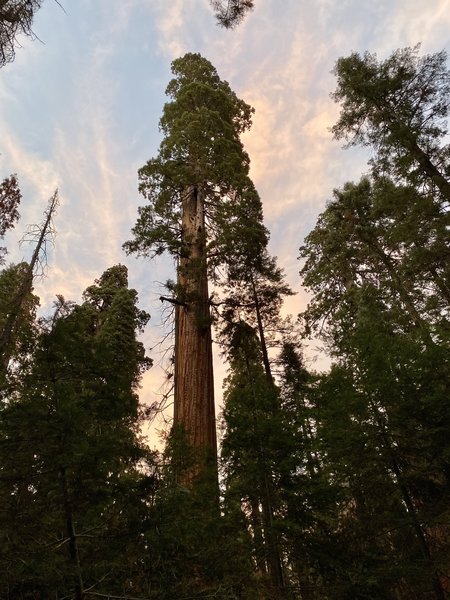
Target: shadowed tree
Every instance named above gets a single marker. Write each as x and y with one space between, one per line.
251 447
385 235
254 291
10 197
376 264
69 448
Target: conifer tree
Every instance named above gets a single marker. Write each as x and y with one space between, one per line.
377 265
391 237
254 290
374 303
40 235
252 446
203 209
398 106
10 196
69 448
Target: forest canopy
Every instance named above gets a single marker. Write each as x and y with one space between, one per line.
308 485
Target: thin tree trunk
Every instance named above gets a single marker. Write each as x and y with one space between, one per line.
411 511
70 532
262 338
258 540
274 557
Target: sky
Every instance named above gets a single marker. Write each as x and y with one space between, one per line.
80 105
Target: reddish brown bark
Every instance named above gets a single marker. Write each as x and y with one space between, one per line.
194 407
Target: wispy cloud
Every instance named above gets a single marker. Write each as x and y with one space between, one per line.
171 20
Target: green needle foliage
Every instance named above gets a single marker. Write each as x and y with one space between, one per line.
386 236
10 197
69 447
21 344
201 147
399 107
203 209
334 486
377 267
229 13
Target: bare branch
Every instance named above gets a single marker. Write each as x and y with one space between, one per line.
173 301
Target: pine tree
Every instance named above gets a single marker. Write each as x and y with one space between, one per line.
10 197
254 288
388 236
11 281
40 234
254 292
252 446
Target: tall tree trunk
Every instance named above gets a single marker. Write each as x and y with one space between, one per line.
194 407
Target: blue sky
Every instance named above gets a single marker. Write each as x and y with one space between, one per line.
79 110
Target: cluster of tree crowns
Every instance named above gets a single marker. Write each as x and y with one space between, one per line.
331 486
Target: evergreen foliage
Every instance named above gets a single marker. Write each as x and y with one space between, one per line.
333 486
203 209
377 265
230 13
399 107
201 147
10 197
69 446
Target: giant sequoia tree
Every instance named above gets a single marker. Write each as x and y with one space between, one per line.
203 209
